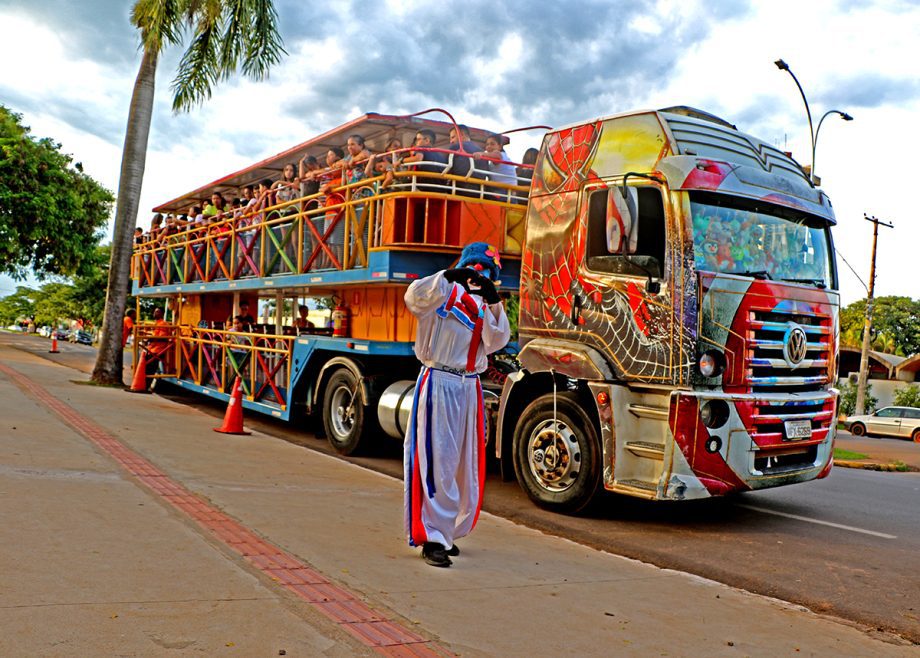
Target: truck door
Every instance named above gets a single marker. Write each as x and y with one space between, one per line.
624 275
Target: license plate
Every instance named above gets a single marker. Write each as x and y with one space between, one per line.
798 429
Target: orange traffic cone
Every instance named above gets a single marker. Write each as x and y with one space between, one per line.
139 383
233 419
54 349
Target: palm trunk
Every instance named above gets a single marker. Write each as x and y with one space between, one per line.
108 369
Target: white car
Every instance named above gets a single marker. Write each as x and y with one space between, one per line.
901 422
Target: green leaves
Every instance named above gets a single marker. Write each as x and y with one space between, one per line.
226 35
895 325
51 214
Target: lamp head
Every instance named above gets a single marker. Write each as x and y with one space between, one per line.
845 116
781 65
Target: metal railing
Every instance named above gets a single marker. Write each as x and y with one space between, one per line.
324 231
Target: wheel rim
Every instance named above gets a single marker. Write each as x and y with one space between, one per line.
554 456
343 412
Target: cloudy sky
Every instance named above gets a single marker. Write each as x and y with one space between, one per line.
69 66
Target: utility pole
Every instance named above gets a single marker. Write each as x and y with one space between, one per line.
867 328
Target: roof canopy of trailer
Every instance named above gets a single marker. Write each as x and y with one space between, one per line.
376 129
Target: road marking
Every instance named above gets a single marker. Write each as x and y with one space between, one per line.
819 522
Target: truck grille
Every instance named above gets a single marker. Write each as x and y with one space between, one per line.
767 369
770 415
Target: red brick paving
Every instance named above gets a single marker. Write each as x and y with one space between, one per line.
335 602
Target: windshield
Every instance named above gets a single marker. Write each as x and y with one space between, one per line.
736 236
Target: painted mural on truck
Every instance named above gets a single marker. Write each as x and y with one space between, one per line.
567 290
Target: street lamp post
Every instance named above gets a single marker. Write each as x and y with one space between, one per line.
812 132
814 143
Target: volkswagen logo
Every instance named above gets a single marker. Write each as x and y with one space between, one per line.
795 345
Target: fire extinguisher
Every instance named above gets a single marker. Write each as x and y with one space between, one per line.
340 320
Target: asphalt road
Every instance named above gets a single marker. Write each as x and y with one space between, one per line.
847 546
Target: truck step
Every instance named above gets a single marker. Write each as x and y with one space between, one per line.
646 411
646 449
639 484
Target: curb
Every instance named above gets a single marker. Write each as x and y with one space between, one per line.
875 466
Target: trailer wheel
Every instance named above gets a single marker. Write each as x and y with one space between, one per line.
343 413
557 463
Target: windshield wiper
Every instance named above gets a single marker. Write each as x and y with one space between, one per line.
757 274
817 283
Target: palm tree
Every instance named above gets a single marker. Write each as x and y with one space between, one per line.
224 35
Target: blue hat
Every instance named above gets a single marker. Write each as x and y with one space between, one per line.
482 257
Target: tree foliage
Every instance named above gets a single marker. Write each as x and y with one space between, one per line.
909 396
59 301
18 305
895 325
848 399
51 214
222 36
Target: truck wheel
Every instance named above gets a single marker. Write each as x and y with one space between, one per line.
343 413
557 463
858 429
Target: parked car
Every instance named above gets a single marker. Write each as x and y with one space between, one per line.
901 422
80 336
45 332
61 334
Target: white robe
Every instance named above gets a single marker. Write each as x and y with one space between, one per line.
445 442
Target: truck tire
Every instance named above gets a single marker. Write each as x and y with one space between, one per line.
344 419
558 465
858 429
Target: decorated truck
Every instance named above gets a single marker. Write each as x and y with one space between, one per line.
678 313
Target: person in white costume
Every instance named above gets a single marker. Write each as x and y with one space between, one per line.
461 320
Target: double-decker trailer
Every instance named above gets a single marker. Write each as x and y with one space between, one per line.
678 314
358 243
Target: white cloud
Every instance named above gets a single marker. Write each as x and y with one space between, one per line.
502 65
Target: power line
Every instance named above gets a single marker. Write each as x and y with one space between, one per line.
837 251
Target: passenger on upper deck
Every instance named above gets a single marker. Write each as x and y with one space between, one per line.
357 155
525 172
384 163
265 194
216 206
309 185
431 161
286 187
462 166
248 197
156 228
330 179
500 172
331 176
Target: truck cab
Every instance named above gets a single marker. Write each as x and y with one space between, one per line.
678 320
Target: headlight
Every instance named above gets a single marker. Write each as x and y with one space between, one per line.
714 413
711 363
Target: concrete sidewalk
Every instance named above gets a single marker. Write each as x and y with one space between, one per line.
95 564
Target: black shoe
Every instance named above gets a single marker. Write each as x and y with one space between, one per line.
435 555
453 551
